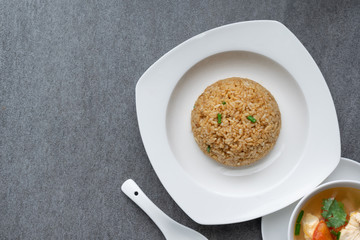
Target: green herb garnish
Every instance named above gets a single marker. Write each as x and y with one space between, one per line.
301 214
208 149
333 212
251 118
297 229
223 103
219 118
336 234
298 225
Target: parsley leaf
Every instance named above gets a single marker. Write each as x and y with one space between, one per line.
334 213
326 206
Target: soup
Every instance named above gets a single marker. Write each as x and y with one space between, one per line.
331 214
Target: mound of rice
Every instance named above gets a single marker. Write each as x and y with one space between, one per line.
236 121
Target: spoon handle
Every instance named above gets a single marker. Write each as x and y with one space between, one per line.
133 191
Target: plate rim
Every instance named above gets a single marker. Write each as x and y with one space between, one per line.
187 186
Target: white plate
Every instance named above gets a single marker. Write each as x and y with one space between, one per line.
309 141
274 226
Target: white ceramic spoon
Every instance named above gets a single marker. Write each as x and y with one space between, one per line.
170 228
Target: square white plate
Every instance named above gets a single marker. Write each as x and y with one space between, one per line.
307 150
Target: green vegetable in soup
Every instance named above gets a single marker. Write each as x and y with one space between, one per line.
333 212
298 225
297 229
336 234
301 214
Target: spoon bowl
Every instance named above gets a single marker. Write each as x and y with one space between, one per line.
170 228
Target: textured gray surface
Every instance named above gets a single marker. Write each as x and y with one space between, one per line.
68 127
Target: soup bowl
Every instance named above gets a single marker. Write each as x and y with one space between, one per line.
309 196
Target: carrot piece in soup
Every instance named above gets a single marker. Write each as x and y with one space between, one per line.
322 232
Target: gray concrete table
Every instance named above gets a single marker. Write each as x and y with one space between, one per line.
68 130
